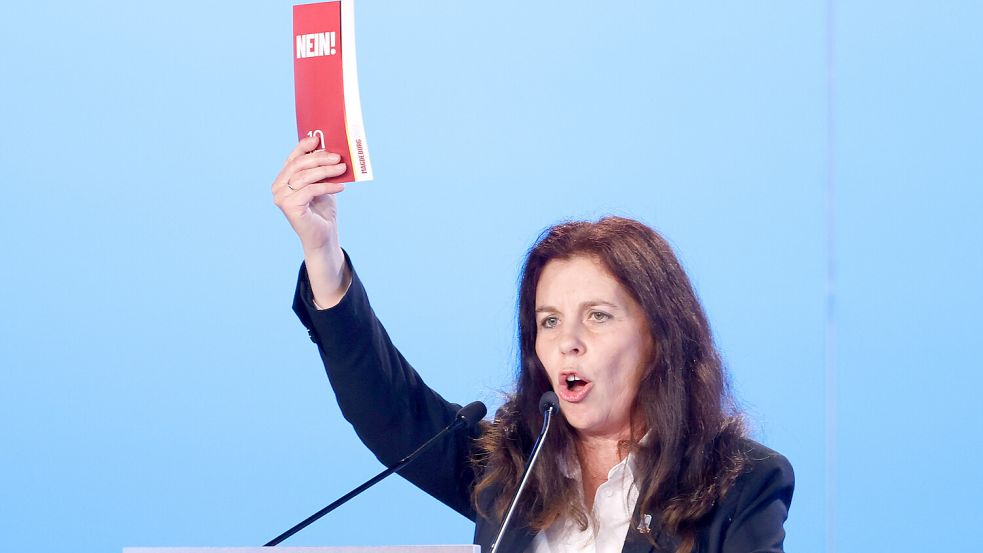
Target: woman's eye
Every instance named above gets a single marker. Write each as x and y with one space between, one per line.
548 322
598 316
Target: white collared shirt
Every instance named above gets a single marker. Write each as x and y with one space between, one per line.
614 503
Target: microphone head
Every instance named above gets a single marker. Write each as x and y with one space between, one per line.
472 413
548 399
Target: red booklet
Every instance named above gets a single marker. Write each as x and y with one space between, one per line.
326 84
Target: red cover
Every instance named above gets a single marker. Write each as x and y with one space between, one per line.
326 84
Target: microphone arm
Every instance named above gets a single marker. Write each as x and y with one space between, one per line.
466 417
547 404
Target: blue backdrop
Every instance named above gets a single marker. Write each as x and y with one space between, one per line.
817 166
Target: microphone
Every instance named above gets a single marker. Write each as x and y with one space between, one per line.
547 404
466 417
548 399
470 414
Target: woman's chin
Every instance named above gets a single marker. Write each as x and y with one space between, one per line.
587 427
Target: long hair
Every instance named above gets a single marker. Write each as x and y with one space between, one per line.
693 451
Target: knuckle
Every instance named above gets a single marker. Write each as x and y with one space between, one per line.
305 161
291 168
299 177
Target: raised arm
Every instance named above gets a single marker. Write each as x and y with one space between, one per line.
392 410
311 208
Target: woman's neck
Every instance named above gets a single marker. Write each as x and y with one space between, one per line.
597 456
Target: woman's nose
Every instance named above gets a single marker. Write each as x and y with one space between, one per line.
571 342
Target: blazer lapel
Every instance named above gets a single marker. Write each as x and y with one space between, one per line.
637 542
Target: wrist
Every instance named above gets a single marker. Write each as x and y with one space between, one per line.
328 275
328 254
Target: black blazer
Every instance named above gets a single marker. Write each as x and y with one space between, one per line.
393 411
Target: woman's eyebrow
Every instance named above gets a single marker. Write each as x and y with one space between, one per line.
588 303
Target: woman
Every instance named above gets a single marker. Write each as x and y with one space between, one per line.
649 455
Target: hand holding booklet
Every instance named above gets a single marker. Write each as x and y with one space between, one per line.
326 84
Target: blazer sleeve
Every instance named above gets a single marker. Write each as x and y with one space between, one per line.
391 408
764 498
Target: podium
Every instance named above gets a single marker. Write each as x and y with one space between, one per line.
470 548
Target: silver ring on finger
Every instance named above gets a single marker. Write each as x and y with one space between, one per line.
291 187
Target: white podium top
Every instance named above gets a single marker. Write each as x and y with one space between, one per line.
470 548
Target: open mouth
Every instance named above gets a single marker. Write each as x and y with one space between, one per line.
574 382
573 387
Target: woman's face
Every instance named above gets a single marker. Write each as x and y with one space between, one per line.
594 341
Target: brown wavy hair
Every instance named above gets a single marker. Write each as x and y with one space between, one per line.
693 453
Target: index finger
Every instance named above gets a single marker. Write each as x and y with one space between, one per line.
306 145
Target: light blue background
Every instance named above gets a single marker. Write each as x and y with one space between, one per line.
157 390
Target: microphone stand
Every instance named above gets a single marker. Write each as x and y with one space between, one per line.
465 417
548 404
